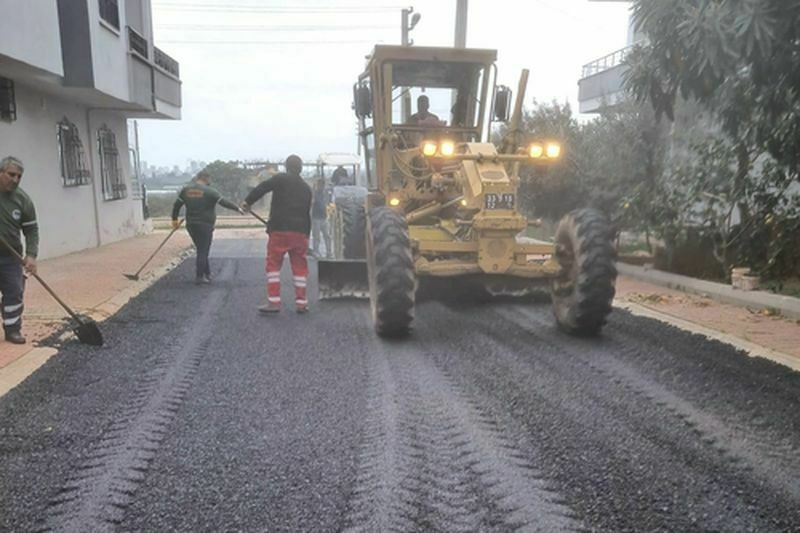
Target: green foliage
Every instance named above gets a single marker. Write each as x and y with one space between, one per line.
739 61
230 179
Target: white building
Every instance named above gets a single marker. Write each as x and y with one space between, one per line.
72 72
601 82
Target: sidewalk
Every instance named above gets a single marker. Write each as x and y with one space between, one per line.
758 326
91 283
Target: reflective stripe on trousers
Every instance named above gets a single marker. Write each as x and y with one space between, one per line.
296 245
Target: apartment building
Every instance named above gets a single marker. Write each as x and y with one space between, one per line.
72 75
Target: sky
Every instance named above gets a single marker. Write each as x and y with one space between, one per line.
266 78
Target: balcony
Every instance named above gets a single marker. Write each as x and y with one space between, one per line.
155 85
601 82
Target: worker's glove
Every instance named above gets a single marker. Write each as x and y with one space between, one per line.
244 207
176 224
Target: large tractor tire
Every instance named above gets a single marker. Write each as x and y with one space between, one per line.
390 266
353 228
583 292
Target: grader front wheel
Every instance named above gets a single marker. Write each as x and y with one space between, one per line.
583 292
390 266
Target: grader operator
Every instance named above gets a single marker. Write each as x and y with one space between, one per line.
443 200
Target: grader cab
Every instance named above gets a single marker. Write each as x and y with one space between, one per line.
443 200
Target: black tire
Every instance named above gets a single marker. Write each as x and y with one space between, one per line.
354 224
392 280
583 293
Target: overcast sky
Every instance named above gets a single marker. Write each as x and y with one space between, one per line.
253 89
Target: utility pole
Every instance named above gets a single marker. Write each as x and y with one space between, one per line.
408 22
461 24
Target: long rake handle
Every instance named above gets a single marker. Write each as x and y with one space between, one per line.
52 293
160 246
259 217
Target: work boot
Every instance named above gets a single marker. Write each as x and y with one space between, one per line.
269 309
301 309
15 337
206 280
198 280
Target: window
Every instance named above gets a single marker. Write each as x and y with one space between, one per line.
8 103
110 172
70 155
109 12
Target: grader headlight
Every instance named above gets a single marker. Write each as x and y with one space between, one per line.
536 150
429 148
394 201
447 148
553 150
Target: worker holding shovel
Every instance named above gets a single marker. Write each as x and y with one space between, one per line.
201 201
17 215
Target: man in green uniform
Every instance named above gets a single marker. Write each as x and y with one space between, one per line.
201 201
17 214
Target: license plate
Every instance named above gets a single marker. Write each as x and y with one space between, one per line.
498 201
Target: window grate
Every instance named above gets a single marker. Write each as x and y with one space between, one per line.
71 156
8 102
109 12
114 187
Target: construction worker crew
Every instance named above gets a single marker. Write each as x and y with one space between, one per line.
289 227
201 201
17 215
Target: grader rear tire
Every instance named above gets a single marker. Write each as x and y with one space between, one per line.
583 293
353 218
392 280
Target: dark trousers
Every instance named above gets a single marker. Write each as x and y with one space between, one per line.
12 286
201 235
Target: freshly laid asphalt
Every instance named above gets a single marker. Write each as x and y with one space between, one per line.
201 415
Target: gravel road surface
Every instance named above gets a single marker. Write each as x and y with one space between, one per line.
201 415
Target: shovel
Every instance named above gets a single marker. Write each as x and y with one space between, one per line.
135 277
87 330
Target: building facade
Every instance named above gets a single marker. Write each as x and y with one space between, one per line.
601 81
72 75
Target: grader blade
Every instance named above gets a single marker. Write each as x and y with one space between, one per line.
342 278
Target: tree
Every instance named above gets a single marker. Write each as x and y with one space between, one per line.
230 179
739 58
739 61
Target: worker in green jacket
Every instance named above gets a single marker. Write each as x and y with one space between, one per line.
201 201
17 216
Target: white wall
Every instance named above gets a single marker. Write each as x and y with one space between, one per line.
29 32
66 215
109 53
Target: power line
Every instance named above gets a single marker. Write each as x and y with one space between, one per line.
250 8
277 43
210 27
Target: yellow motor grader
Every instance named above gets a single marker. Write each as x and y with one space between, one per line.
443 200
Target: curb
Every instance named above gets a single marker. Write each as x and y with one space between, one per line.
788 306
750 348
16 372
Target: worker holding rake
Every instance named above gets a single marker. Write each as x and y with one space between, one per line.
201 201
289 227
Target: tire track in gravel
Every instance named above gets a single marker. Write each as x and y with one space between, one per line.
101 487
775 461
625 464
432 460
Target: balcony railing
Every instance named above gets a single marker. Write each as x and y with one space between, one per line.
137 43
166 62
607 62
